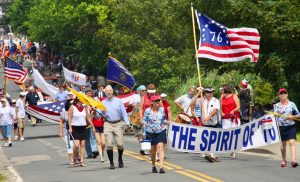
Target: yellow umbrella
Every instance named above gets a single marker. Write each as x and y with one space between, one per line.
88 100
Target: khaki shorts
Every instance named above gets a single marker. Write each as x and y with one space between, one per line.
21 122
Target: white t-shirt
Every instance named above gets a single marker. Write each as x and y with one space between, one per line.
185 101
21 106
78 118
13 109
135 99
208 108
6 114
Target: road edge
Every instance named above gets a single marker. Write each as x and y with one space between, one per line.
7 170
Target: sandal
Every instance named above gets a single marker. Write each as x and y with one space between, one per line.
294 164
82 164
283 164
72 163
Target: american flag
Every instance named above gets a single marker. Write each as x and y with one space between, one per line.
47 111
224 44
15 71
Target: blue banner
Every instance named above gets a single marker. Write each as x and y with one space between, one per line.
117 73
193 139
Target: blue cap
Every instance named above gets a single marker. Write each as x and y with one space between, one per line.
141 87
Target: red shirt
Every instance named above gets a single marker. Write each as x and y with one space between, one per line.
166 104
228 104
98 122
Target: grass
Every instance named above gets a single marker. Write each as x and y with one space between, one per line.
2 178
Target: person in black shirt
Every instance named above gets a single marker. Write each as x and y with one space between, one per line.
93 83
32 98
245 99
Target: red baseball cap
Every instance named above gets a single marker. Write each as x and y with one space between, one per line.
155 98
282 90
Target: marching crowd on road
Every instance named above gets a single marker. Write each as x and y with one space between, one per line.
87 131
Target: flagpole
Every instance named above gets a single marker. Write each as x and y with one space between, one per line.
197 59
5 79
196 49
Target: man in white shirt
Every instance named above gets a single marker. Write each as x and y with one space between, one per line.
184 101
20 110
210 116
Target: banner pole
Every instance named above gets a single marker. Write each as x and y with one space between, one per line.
196 49
197 59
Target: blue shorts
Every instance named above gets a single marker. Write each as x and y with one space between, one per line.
287 132
6 130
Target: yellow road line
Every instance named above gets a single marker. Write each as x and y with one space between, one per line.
145 159
191 176
203 175
179 169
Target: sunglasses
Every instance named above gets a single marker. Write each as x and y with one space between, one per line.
157 101
144 90
282 93
209 92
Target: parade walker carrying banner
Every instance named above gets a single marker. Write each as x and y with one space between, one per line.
192 139
74 77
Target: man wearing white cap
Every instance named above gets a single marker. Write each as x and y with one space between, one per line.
6 120
20 112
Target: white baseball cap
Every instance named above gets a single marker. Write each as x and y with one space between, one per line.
22 93
151 91
163 95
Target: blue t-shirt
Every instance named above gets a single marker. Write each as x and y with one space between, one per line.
286 110
154 122
60 96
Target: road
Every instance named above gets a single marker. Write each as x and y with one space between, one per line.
42 157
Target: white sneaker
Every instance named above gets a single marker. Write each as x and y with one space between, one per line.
101 159
22 139
16 138
202 155
232 155
6 144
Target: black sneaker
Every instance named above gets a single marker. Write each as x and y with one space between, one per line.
161 171
154 170
10 144
112 166
121 164
95 154
90 156
209 158
142 152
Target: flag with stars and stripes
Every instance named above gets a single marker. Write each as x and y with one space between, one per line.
15 71
47 111
224 44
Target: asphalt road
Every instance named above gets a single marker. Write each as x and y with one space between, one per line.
42 157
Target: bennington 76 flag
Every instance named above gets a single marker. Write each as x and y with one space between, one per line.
224 44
